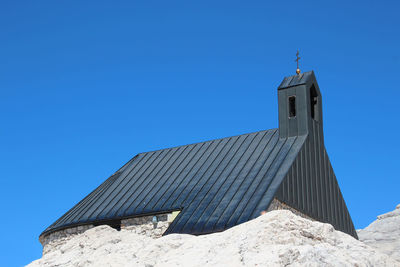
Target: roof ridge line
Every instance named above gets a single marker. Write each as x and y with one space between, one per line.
205 141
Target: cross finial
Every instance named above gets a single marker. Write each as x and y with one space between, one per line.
297 60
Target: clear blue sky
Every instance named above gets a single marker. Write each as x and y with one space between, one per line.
86 85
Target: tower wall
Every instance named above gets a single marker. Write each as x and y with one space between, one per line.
311 187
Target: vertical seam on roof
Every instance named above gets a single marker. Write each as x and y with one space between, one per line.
63 219
335 197
156 201
111 196
177 162
331 191
175 222
130 177
297 190
261 166
206 170
170 191
149 180
239 186
78 215
311 173
325 187
183 202
184 178
317 173
306 177
227 164
267 158
202 164
236 184
89 207
331 196
292 183
101 192
251 199
142 179
274 174
76 208
302 180
227 179
315 160
323 180
341 213
107 198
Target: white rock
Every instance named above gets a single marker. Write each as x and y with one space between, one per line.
278 238
384 233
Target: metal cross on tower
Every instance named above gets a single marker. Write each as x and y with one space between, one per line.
297 60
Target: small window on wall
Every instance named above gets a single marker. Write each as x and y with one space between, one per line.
314 103
292 106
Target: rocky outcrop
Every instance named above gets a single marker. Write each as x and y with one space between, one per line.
277 238
384 233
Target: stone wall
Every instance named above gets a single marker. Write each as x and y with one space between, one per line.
62 235
278 205
151 226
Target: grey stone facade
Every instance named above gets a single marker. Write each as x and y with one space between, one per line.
151 226
279 205
62 235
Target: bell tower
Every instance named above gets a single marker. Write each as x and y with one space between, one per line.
300 105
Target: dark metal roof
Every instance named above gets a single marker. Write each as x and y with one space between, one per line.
295 80
216 184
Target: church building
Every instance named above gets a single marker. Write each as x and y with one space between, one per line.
211 186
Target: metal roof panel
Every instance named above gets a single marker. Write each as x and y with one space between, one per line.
216 184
